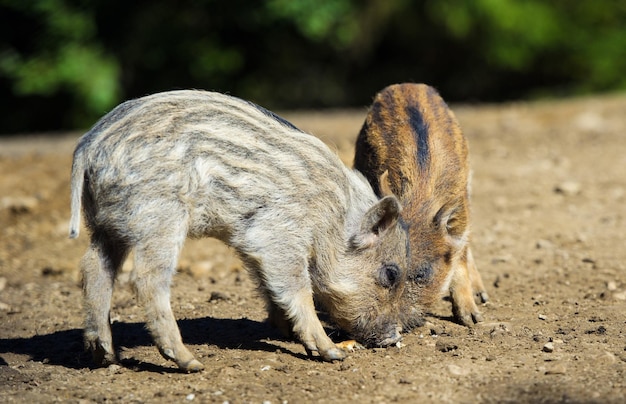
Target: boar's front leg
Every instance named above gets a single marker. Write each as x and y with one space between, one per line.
291 297
155 264
309 329
312 337
462 291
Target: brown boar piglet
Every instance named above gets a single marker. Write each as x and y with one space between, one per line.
411 145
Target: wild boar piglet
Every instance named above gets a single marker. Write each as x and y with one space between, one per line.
180 164
412 146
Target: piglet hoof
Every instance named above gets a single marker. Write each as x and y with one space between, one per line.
477 317
466 313
101 356
465 320
192 366
469 319
481 297
333 354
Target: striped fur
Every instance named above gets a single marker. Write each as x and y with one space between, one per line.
162 168
412 136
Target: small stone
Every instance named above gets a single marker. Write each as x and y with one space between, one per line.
556 370
218 296
457 370
4 307
190 397
548 347
544 244
568 188
588 260
265 368
115 369
542 317
49 271
611 286
581 238
501 259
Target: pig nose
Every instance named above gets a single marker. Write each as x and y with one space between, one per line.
393 337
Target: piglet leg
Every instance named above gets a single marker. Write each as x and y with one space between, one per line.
99 266
313 337
480 293
154 268
464 306
307 326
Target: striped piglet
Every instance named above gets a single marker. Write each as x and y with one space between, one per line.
180 164
412 146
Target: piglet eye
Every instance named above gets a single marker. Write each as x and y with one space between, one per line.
389 275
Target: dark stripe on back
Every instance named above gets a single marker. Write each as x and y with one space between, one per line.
274 116
441 111
420 130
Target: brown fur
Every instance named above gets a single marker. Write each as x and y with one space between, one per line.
412 140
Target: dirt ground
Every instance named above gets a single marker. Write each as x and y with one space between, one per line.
548 218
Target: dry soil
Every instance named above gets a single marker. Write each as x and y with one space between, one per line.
548 218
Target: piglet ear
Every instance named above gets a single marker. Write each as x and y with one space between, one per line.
383 215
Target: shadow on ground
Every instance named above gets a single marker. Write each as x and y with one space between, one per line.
65 348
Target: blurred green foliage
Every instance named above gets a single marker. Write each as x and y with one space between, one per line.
63 55
64 63
319 20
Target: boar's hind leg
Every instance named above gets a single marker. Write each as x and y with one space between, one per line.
464 306
155 264
279 319
99 267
